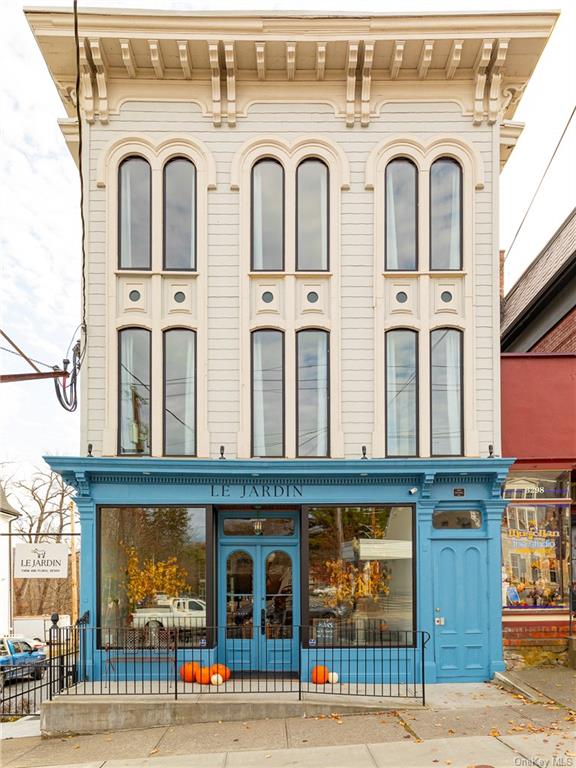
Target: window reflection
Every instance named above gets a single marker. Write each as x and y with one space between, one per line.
312 215
134 386
267 215
401 393
267 393
360 574
179 214
278 595
179 392
313 395
258 526
457 519
445 214
239 595
401 214
134 213
446 382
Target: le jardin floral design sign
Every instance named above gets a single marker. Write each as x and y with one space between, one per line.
40 561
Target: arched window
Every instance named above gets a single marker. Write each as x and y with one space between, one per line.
401 219
134 213
180 214
445 214
313 392
312 201
402 392
134 391
267 393
446 396
179 392
267 215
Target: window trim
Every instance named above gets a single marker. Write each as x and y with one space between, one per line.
417 360
269 158
328 217
194 332
283 336
166 268
328 388
119 332
133 156
458 164
462 403
417 171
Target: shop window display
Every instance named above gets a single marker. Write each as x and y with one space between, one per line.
360 575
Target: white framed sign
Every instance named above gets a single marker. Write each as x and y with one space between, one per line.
40 561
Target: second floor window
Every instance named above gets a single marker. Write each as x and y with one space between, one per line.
312 389
134 213
445 214
446 400
179 392
402 393
312 216
267 216
134 391
401 216
267 393
180 214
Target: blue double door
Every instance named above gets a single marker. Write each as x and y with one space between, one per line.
259 603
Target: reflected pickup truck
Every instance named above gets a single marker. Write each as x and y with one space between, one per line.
172 612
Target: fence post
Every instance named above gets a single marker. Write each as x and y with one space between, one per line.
299 662
176 663
53 636
424 641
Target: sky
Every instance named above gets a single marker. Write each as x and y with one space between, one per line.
39 197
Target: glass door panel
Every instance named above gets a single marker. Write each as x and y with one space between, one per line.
278 593
240 596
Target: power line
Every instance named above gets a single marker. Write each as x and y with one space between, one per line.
539 184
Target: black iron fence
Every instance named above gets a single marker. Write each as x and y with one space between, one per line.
343 659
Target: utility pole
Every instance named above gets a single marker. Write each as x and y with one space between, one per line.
73 569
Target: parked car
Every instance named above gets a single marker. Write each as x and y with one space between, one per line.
18 660
172 612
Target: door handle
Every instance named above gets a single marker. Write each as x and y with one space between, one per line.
262 621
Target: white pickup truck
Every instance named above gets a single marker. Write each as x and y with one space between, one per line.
172 612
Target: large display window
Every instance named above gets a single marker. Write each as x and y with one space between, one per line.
360 575
152 574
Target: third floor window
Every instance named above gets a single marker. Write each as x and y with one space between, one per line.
179 214
134 213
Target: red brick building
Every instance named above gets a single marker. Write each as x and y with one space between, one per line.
539 429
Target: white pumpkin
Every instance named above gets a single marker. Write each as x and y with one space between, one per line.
333 678
216 679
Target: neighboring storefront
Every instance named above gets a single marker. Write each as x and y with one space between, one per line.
320 553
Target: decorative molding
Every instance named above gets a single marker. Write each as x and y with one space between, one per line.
511 95
351 65
214 58
480 67
87 98
366 82
427 483
250 479
99 63
425 58
230 82
128 56
184 54
290 60
261 60
320 61
496 80
156 58
454 58
396 58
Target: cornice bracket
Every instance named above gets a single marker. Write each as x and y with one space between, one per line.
128 56
99 61
366 83
86 90
496 80
427 483
185 63
156 58
396 58
230 82
320 61
261 60
290 60
214 57
454 58
351 65
480 67
425 59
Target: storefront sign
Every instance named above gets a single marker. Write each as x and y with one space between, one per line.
40 561
256 490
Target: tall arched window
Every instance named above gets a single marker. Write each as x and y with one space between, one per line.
445 214
134 213
312 201
313 392
180 214
267 393
267 215
179 392
134 391
446 396
401 392
401 219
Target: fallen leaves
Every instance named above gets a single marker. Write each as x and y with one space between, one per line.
495 732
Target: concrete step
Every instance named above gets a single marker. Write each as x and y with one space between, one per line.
70 714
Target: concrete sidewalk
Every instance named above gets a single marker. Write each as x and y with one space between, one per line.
554 683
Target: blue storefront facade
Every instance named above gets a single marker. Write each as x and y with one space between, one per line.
431 526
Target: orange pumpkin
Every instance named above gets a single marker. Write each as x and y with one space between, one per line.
189 670
320 675
221 669
203 676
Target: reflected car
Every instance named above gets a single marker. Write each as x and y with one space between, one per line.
18 660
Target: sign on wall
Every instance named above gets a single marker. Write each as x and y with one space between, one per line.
40 561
